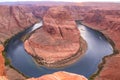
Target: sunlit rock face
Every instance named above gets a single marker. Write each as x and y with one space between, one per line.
103 17
61 75
58 42
2 66
107 21
3 78
14 19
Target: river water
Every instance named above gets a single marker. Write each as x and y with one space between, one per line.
98 47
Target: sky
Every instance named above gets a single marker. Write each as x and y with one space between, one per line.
64 0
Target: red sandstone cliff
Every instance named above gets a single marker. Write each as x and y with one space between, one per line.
105 18
108 22
2 67
58 42
14 19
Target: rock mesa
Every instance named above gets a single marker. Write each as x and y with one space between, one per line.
58 41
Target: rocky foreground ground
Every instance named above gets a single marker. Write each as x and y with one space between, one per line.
104 17
60 76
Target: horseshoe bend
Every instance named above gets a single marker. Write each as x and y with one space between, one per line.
59 37
58 42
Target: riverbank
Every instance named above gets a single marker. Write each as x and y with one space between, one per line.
9 68
7 71
109 60
68 61
99 16
94 36
13 74
56 39
101 65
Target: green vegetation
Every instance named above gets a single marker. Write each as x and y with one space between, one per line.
101 65
25 37
7 61
6 42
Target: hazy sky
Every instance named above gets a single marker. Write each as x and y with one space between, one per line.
65 0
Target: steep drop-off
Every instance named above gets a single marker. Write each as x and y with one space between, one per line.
99 16
58 43
14 19
2 61
107 21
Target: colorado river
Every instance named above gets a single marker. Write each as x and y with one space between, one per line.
98 47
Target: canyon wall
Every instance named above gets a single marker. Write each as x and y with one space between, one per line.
59 37
107 22
102 17
14 19
2 61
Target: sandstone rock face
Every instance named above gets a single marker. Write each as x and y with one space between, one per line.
14 19
3 78
2 66
58 41
13 74
61 76
108 23
106 19
103 17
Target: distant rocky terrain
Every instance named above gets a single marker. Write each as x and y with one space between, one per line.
104 17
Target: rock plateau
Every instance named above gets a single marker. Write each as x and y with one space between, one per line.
58 43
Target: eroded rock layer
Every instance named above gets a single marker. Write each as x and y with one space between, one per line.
104 17
2 61
107 22
14 19
58 41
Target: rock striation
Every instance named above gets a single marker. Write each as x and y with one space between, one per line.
107 22
103 17
58 43
2 65
14 19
